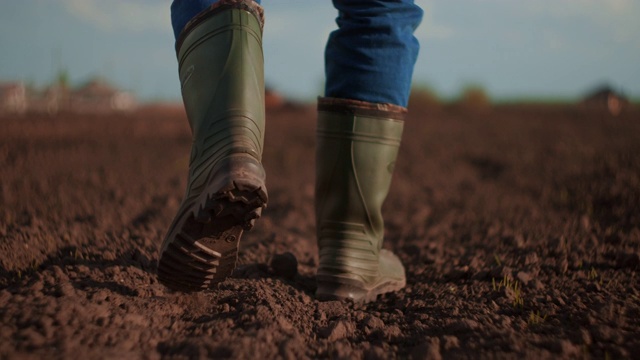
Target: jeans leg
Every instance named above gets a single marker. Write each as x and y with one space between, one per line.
184 10
370 57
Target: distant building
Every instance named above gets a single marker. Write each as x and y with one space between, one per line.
56 98
13 98
97 96
51 100
604 97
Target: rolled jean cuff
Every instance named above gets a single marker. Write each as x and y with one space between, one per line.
371 56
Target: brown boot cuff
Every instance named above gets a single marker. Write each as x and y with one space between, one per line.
362 108
246 5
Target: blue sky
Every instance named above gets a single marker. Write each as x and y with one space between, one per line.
514 48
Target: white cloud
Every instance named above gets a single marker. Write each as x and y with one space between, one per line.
619 18
430 29
294 25
122 15
553 40
597 10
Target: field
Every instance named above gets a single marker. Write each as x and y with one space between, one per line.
519 227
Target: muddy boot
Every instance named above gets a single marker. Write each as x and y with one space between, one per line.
357 146
221 70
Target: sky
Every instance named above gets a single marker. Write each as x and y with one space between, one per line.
513 48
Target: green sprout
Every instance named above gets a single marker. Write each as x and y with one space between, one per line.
535 318
497 258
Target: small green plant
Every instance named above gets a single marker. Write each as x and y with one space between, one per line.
76 254
63 78
497 259
518 300
535 318
506 282
594 276
511 285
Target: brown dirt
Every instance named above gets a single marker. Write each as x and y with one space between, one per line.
519 228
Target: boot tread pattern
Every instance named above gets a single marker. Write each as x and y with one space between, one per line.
204 250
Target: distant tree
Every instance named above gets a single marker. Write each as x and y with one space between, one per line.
62 79
424 96
474 97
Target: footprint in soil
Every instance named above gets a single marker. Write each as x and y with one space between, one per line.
284 265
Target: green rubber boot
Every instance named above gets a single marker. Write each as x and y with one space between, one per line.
357 146
221 70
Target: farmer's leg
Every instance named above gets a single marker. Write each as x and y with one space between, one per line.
221 72
371 55
369 62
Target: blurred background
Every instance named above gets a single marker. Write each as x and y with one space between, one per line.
547 50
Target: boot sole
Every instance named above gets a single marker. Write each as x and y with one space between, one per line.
336 288
201 249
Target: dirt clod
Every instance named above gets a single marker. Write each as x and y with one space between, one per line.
373 323
285 265
524 277
450 342
428 350
337 330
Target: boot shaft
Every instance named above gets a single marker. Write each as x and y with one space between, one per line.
221 71
357 146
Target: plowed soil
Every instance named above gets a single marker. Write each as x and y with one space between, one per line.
519 227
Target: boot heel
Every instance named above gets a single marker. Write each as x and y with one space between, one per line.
202 248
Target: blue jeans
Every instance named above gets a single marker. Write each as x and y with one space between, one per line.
370 57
